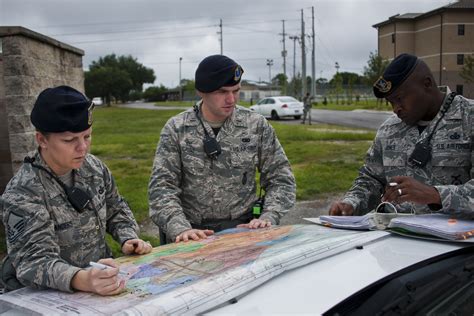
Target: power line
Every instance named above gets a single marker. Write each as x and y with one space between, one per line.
174 18
164 30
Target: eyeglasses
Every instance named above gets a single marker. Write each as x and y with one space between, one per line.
387 207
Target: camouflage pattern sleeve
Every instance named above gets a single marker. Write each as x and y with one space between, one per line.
32 242
276 176
368 186
460 198
164 188
121 223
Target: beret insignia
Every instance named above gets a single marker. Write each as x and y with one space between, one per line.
383 85
89 113
237 73
395 74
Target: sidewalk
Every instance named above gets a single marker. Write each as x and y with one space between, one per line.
372 111
304 209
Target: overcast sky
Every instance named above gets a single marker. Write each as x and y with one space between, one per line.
159 32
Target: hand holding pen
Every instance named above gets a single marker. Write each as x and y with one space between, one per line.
100 280
102 266
406 189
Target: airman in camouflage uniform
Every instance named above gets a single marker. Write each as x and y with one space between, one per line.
49 241
445 182
188 189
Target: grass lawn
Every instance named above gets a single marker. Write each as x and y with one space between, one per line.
325 159
331 105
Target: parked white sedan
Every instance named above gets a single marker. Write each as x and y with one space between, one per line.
97 101
277 107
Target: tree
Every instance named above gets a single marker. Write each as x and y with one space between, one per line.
295 86
375 68
139 74
188 88
131 77
155 93
108 83
280 80
345 81
467 71
336 84
346 78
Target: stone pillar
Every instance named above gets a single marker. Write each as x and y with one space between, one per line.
29 63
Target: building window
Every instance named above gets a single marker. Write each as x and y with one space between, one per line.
393 38
459 89
460 29
460 58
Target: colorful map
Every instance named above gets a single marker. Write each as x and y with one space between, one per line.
194 277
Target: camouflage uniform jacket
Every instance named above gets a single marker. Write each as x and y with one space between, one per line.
48 240
187 187
450 169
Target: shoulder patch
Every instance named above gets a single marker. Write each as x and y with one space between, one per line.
15 227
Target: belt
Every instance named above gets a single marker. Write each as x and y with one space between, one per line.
218 225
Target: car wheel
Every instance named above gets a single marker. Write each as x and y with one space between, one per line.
275 115
297 117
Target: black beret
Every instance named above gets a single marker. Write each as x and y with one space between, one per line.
62 109
395 74
217 71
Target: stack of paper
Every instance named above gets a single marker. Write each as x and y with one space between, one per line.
364 222
439 225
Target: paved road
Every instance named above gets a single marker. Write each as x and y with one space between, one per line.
149 106
357 118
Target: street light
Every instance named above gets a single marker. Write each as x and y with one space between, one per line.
270 64
337 80
294 38
180 87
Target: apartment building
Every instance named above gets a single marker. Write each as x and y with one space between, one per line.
443 38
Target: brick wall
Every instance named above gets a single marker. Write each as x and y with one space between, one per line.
29 63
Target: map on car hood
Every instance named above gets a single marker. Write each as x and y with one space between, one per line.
195 276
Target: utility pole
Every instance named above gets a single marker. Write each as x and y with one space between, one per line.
337 82
270 64
294 38
283 54
221 39
303 58
180 86
313 60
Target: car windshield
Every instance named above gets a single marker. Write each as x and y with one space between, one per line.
438 286
288 99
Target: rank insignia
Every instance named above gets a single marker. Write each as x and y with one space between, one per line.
15 227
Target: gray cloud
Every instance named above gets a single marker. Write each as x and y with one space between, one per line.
158 32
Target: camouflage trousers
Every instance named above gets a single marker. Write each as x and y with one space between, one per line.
306 112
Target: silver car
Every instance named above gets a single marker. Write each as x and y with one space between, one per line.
278 107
